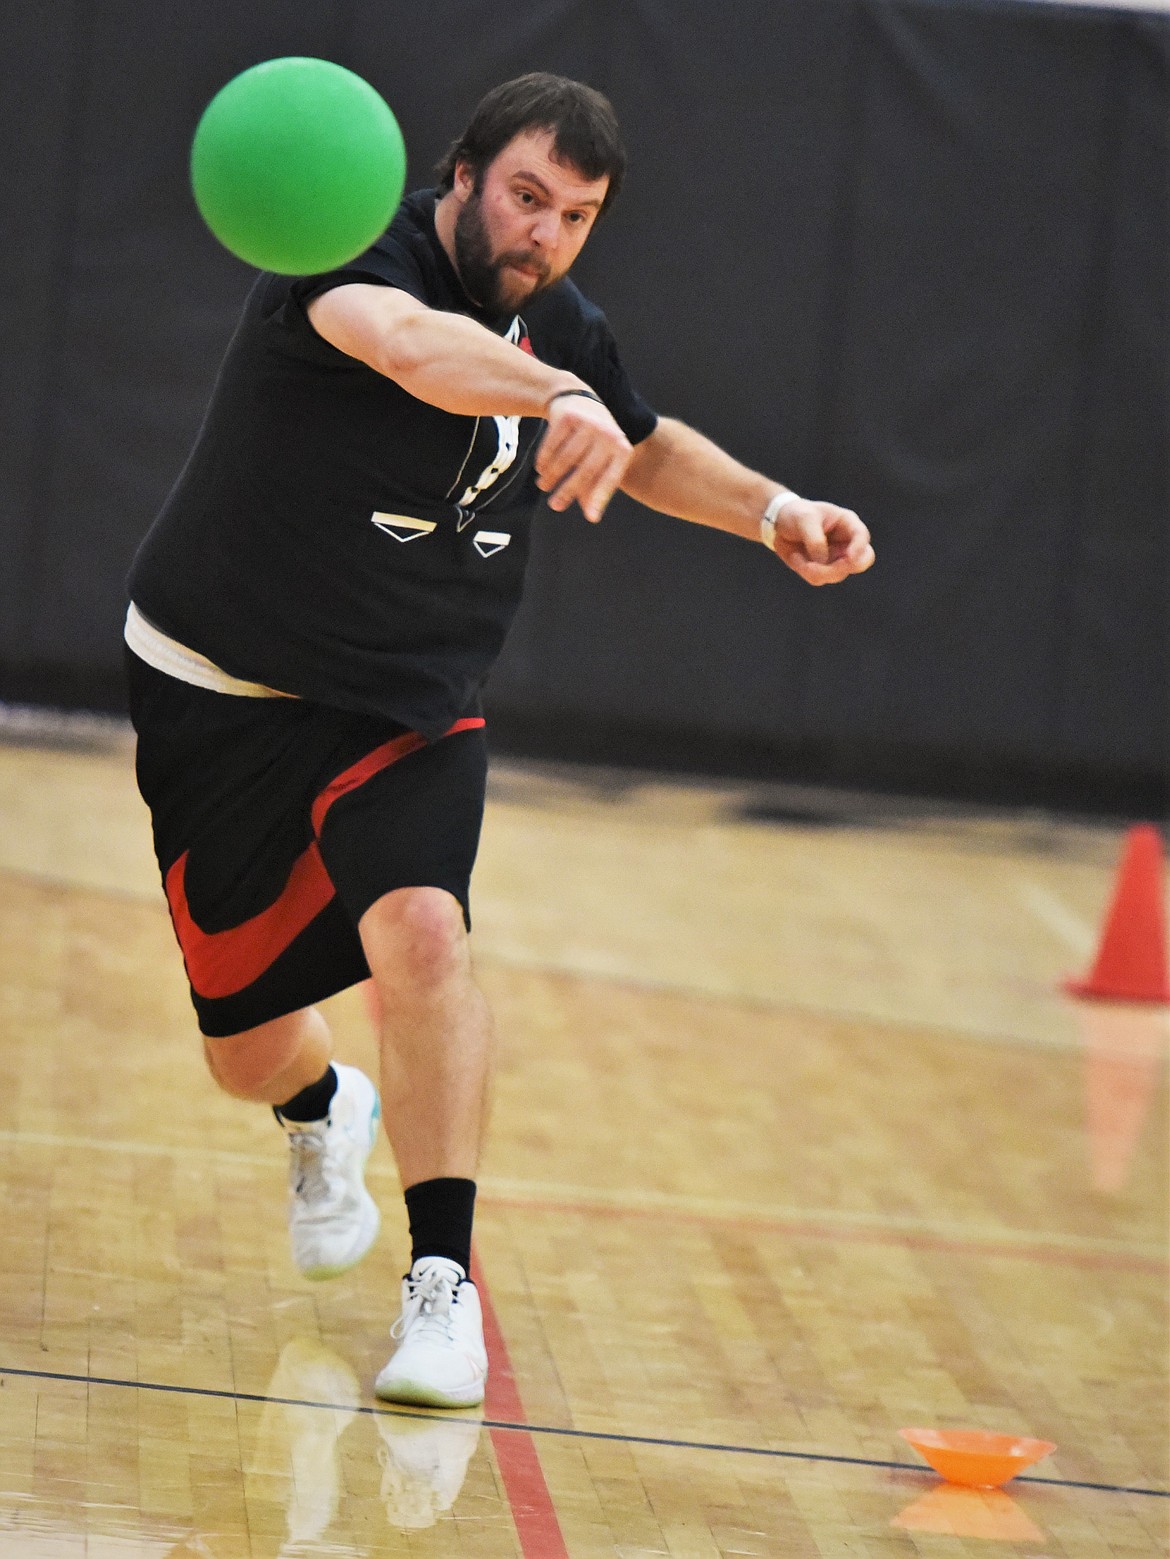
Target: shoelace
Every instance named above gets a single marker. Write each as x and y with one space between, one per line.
433 1294
308 1176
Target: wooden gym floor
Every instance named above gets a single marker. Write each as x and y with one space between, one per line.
795 1144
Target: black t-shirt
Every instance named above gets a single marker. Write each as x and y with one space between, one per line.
335 537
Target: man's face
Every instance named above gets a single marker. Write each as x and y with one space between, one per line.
523 228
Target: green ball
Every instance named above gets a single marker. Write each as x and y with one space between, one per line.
297 166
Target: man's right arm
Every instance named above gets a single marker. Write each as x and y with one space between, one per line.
454 363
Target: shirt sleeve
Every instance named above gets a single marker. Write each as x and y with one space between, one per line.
389 263
601 367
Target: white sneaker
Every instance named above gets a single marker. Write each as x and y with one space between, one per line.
441 1360
424 1464
332 1219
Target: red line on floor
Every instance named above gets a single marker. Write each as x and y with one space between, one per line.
533 1511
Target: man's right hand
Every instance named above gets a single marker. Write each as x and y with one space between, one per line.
454 363
583 455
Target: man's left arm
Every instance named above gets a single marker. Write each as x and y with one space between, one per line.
680 472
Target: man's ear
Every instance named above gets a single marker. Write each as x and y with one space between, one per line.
463 184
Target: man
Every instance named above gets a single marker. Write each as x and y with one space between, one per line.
313 613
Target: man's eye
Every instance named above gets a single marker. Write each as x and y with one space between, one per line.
526 196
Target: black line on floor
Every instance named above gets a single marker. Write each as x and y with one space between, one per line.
385 1411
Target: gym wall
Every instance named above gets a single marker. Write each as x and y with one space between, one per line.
910 256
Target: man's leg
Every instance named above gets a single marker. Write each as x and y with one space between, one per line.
330 1114
436 1033
274 1062
436 1042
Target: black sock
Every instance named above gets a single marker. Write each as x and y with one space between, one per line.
440 1214
312 1103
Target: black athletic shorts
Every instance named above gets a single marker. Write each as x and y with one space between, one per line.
278 822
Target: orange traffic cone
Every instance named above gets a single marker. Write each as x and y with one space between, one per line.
1131 961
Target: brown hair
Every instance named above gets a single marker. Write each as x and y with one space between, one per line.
582 122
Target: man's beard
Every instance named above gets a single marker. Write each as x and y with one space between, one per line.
482 274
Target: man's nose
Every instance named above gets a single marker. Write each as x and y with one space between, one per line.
544 229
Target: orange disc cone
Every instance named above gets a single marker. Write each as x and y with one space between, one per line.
1131 961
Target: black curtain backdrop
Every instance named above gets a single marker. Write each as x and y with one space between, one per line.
910 256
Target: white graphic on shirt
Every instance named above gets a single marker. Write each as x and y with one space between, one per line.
403 527
466 458
507 443
488 542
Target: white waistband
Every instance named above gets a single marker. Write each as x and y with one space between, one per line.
167 655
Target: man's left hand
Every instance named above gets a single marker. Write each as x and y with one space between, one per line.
822 543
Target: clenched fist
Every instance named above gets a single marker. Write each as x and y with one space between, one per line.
821 542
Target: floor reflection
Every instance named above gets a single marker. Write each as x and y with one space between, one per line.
312 1470
424 1464
956 1512
33 1532
298 1446
298 1456
1124 1045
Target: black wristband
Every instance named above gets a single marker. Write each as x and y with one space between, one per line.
589 395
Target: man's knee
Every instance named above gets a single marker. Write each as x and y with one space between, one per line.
414 937
244 1064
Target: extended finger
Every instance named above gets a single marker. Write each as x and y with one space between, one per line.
597 499
588 469
561 470
550 455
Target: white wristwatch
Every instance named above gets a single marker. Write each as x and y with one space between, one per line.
770 515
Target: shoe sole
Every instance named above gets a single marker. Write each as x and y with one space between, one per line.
373 1221
414 1393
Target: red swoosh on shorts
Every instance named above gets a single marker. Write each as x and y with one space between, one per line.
222 963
